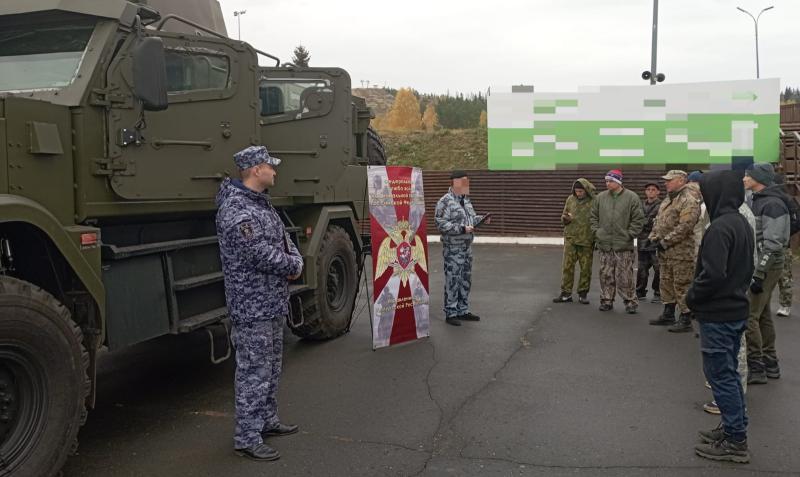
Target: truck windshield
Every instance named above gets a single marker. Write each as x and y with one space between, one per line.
41 56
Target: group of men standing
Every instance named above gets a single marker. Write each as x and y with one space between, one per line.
724 279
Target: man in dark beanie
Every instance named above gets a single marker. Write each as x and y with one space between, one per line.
718 298
772 237
617 217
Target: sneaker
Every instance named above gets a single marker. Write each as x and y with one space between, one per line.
726 450
711 407
452 320
706 384
712 436
756 376
606 307
259 452
771 368
631 308
583 299
784 311
563 298
468 316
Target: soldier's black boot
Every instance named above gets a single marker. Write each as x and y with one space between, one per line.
259 452
667 317
683 325
583 299
452 320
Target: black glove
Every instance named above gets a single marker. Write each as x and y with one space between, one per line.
757 287
660 246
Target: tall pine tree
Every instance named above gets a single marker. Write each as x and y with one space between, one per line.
301 56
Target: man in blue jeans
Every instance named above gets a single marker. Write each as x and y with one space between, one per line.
718 298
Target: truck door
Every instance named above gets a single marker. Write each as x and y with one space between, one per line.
184 151
306 120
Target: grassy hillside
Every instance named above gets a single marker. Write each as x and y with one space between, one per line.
445 149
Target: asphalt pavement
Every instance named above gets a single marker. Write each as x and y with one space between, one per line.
534 388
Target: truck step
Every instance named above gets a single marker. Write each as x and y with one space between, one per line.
112 252
203 319
198 281
295 289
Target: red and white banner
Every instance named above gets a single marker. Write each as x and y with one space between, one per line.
399 255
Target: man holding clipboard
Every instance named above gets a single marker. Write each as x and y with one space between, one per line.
456 220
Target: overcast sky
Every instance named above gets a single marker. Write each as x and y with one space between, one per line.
557 45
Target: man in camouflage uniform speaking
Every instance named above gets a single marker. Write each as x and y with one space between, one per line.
258 260
673 234
456 220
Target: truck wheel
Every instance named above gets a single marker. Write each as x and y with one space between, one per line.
376 151
327 310
43 381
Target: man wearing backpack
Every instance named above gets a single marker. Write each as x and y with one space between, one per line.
772 237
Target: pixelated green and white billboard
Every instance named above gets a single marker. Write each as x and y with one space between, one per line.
718 124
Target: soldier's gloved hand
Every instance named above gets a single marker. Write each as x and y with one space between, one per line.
757 287
660 246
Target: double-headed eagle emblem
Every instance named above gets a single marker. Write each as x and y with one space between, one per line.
401 251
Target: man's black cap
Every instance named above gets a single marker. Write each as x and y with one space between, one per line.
458 174
654 184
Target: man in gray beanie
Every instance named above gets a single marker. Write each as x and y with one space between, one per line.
772 237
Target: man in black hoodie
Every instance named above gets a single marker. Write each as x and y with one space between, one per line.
718 298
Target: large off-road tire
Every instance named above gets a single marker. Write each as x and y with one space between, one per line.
328 309
43 381
376 151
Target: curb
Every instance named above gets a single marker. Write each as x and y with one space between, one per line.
510 240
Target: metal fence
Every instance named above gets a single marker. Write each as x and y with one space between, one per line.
524 203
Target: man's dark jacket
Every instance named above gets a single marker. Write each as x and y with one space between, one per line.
725 262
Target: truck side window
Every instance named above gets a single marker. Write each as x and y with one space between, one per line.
290 99
193 71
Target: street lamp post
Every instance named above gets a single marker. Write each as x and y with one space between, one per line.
755 22
651 74
238 14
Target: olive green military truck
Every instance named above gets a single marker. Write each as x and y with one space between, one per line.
117 125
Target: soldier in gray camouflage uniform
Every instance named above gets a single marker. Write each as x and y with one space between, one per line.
456 219
258 260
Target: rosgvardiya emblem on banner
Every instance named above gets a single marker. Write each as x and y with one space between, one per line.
400 255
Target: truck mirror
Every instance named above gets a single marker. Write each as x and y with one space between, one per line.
150 74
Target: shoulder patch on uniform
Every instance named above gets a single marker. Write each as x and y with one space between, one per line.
246 229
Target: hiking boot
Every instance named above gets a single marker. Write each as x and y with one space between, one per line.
771 368
656 298
726 450
683 325
667 317
784 311
280 430
711 408
583 299
452 320
563 298
712 436
606 307
259 452
756 373
468 316
631 308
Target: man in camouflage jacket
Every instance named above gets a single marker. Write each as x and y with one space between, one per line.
578 241
258 260
456 219
673 234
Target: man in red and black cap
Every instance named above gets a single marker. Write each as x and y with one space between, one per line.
617 217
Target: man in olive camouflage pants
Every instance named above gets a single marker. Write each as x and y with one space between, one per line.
578 242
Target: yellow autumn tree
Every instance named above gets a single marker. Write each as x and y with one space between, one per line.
404 115
430 119
483 121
